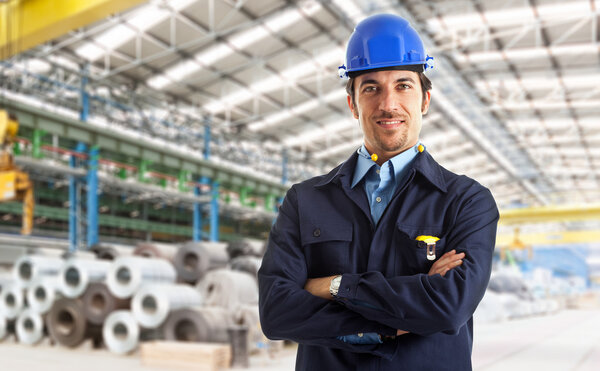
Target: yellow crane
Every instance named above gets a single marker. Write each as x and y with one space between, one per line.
14 183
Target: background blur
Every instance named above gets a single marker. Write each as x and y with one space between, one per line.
171 129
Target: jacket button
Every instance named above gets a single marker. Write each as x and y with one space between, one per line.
317 232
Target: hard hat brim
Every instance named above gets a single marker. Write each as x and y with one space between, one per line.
410 67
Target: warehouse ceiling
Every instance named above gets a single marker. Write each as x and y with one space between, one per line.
515 103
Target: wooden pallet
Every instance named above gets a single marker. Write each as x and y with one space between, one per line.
186 356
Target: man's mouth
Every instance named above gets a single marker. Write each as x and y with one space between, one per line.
390 123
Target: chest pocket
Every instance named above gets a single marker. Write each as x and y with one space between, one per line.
326 247
412 254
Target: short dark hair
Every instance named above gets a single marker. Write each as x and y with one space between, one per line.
425 86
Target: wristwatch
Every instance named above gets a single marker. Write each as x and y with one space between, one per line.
334 286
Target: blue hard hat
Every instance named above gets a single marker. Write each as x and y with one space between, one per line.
384 41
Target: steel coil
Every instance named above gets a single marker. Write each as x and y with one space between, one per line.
67 323
156 250
3 327
12 301
245 247
6 279
76 275
98 303
105 252
127 274
194 259
228 289
42 293
205 324
248 264
121 332
30 327
152 303
28 268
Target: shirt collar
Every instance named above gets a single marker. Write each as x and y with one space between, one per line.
398 163
423 163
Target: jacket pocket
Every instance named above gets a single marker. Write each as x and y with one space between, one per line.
326 247
411 255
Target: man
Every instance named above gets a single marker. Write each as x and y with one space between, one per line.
380 264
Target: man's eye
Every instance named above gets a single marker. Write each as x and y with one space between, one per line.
405 86
370 88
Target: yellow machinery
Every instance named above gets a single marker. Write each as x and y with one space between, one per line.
14 183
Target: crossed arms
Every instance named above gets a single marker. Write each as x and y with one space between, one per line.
422 304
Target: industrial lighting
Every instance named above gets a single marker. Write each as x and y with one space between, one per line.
344 147
274 82
310 135
350 9
528 53
143 19
240 40
541 82
546 104
514 16
299 109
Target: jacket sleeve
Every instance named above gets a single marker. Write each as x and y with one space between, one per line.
287 311
423 304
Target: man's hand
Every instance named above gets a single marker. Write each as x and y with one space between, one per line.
319 286
448 261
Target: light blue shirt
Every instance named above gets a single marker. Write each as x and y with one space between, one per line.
381 181
379 185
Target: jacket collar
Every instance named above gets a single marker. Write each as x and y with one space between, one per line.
423 164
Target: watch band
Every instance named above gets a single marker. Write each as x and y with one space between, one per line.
334 286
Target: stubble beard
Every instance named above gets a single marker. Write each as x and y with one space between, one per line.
394 146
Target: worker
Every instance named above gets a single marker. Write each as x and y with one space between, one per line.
380 264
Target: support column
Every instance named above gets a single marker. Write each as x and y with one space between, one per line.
37 143
214 211
85 97
74 203
92 197
284 166
197 217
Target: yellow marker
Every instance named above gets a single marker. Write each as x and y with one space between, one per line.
421 148
374 157
429 242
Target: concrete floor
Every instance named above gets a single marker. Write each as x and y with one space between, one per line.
566 341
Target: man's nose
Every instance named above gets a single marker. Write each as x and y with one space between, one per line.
388 102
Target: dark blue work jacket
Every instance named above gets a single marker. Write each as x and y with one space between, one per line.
325 228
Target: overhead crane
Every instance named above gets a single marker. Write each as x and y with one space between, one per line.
15 184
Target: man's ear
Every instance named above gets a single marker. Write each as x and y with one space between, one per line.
352 108
425 105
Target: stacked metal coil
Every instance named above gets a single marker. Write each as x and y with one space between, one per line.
156 250
98 303
77 298
128 274
194 259
68 325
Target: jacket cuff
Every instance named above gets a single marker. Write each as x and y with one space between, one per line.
348 286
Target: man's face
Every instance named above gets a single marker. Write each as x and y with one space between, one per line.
389 107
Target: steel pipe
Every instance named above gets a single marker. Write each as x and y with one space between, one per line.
127 274
152 303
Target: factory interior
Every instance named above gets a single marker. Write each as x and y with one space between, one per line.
147 145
